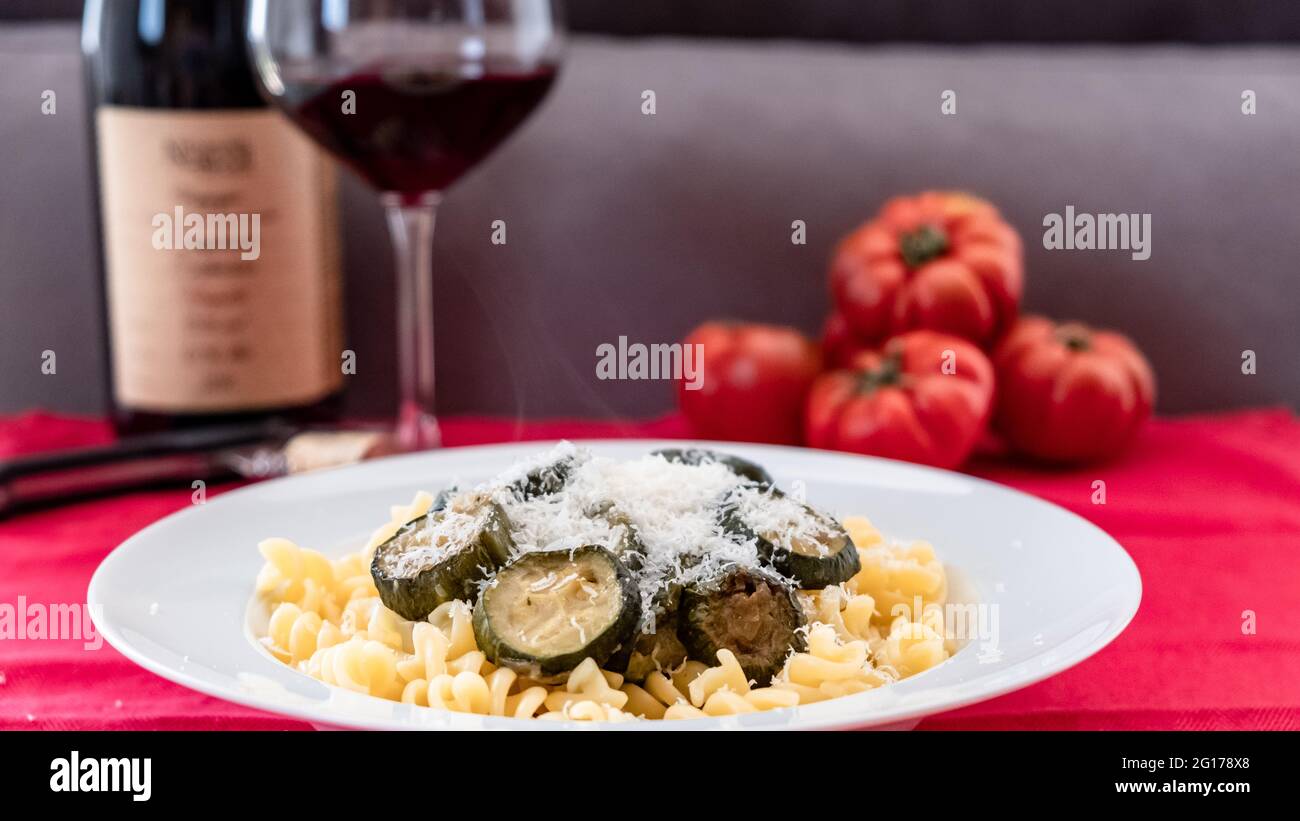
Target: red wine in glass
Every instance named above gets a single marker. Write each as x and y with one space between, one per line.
410 94
412 131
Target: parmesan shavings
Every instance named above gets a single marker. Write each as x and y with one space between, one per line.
426 546
672 508
783 521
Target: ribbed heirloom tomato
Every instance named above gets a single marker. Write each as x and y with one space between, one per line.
939 260
923 397
1069 393
755 380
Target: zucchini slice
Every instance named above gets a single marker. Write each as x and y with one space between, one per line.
443 498
442 556
650 652
749 611
629 547
547 611
795 539
657 649
743 468
544 480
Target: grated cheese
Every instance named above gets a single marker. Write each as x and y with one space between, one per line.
424 547
671 506
783 521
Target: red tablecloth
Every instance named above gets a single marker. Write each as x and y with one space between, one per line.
1209 508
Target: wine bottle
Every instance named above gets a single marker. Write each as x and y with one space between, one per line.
218 225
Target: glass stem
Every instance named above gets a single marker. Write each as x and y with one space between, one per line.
411 225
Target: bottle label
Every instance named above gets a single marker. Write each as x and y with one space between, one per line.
222 258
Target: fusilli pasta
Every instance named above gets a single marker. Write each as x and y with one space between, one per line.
327 621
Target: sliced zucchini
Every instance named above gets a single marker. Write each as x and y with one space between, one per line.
795 539
443 498
547 611
660 650
657 647
629 547
544 480
743 468
442 556
749 611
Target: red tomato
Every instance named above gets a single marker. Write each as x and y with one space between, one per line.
924 397
939 260
1068 393
840 343
755 379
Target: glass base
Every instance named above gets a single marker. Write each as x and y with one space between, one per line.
417 429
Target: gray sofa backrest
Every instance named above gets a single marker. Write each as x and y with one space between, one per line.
622 224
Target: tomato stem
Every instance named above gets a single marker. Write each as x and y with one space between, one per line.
889 373
922 245
1075 336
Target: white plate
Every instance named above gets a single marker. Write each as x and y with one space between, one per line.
177 599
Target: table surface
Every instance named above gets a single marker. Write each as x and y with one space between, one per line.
1208 506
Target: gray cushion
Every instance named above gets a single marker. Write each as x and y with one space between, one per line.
640 226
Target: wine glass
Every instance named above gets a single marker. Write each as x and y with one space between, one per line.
410 94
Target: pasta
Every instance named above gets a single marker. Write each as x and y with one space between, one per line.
328 621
